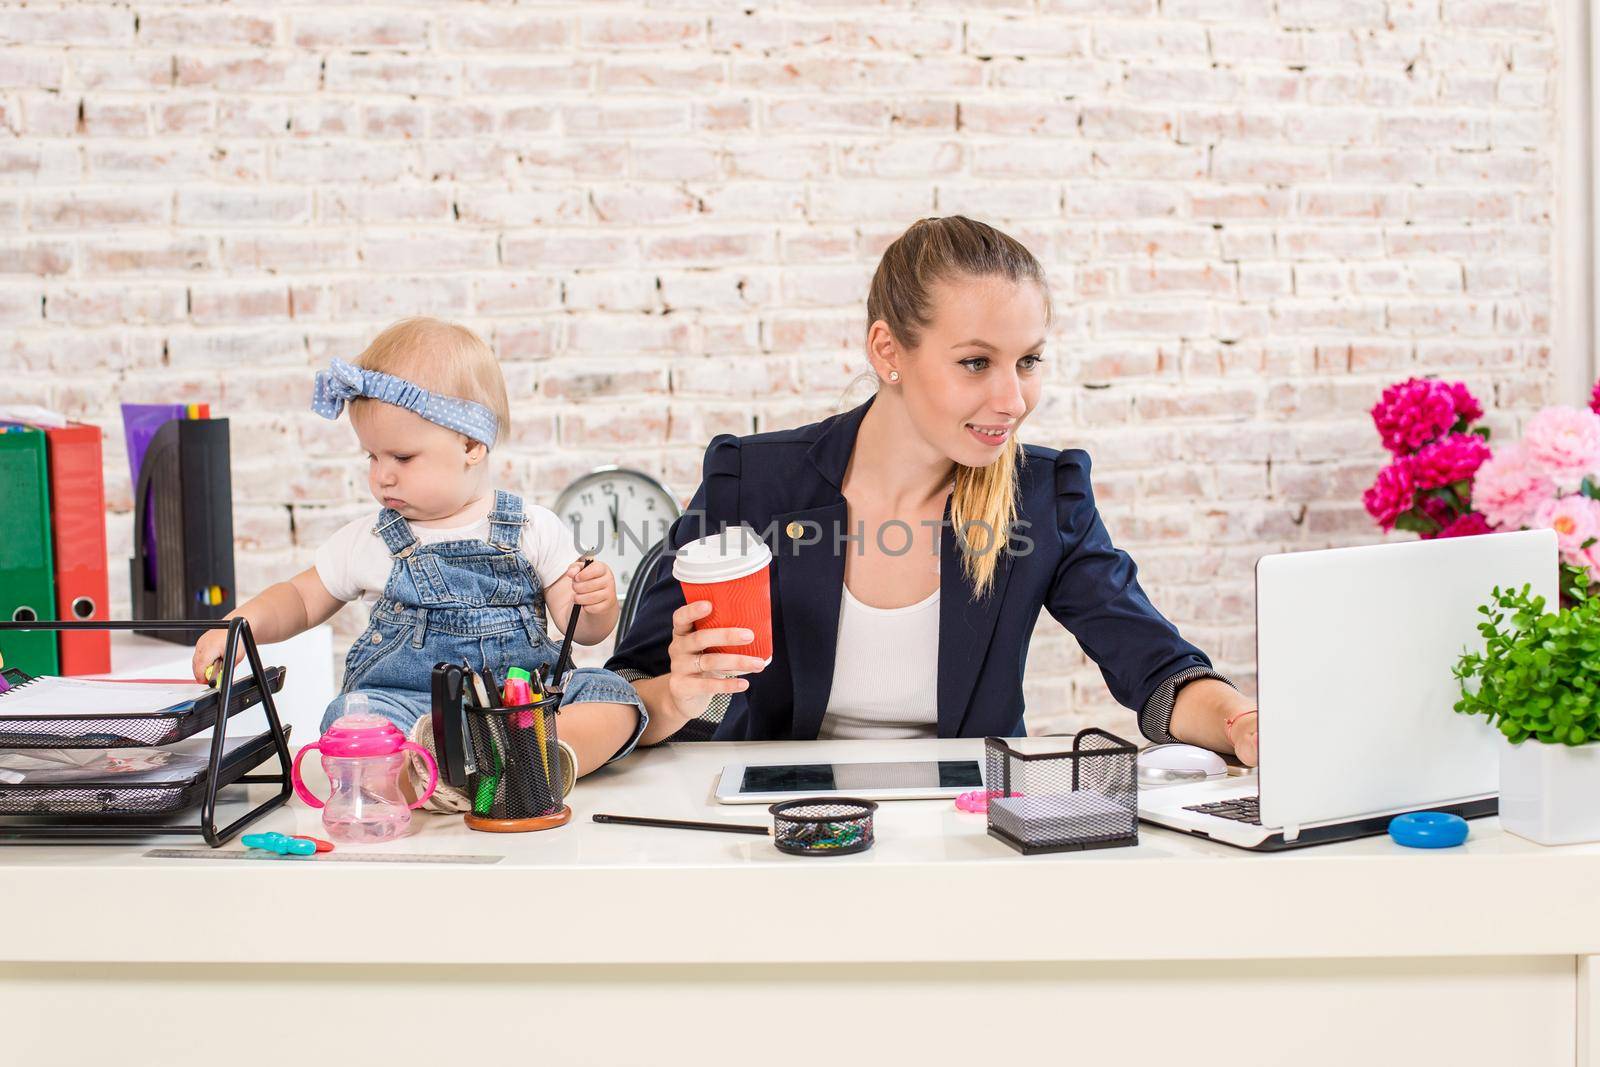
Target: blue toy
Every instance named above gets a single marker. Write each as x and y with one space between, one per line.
282 844
1428 829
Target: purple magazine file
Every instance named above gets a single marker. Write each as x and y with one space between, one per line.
139 424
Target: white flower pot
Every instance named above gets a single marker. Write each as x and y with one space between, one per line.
1551 793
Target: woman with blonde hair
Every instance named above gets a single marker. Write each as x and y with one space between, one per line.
915 540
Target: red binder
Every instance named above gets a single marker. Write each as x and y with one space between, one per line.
78 521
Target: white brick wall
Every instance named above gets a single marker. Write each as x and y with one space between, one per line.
1255 213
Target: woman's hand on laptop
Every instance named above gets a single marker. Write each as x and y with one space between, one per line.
1241 730
1213 714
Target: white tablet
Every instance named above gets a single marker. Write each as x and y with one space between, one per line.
767 783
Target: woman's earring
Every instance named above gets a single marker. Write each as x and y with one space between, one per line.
894 376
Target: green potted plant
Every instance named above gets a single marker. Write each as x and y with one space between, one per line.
1538 681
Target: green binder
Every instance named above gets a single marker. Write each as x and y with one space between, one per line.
27 581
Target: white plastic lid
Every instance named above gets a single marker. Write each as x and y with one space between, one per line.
733 552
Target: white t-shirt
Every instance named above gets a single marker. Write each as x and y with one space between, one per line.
869 701
354 563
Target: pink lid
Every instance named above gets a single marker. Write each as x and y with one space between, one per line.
362 735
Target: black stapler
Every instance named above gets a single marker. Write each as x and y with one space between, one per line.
449 725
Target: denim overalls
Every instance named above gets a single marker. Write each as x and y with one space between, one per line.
478 602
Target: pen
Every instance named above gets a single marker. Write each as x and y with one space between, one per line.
480 692
539 696
687 824
488 781
483 801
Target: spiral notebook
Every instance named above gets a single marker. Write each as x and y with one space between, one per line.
104 712
52 695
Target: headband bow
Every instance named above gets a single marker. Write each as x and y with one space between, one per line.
343 382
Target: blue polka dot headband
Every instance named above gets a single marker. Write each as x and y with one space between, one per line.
343 382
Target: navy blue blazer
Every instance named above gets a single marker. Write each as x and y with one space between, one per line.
769 481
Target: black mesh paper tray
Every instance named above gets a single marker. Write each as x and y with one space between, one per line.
109 798
129 731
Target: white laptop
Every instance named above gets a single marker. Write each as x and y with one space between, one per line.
1354 650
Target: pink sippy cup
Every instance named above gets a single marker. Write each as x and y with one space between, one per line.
364 755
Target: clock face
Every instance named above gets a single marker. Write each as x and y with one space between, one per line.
618 515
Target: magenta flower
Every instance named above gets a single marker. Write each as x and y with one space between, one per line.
1594 399
1469 525
1417 410
1442 512
1565 443
1392 493
1508 488
1449 460
1467 406
1576 521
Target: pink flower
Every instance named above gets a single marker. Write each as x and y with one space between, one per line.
1449 460
1576 521
1392 493
1469 525
1591 563
1565 442
1417 410
1594 399
1508 488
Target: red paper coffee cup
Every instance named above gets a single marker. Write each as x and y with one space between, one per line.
730 569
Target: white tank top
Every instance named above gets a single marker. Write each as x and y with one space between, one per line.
885 671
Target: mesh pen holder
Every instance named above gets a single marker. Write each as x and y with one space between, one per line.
835 826
515 785
1063 801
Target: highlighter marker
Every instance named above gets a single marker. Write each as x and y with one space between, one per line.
522 680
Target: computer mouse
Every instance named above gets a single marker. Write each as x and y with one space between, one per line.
1175 764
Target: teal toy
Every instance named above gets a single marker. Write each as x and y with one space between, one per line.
1428 829
282 844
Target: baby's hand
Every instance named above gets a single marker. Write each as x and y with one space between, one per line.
594 587
208 650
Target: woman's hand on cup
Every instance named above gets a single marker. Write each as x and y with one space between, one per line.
698 675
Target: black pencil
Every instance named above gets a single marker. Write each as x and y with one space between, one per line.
686 824
566 638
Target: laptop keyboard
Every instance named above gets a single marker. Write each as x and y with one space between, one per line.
1239 809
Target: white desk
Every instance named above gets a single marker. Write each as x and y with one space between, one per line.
615 944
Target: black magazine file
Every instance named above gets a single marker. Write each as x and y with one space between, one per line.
186 479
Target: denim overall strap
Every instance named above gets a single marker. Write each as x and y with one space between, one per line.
506 521
401 543
396 533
